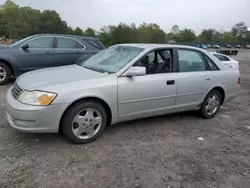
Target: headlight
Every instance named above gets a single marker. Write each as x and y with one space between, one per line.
37 98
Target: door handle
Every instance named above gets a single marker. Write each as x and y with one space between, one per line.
47 53
170 82
78 52
208 78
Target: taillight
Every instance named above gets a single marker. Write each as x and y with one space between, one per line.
239 80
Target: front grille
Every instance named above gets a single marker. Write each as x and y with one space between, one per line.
16 91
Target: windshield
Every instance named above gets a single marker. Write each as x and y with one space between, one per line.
112 59
20 41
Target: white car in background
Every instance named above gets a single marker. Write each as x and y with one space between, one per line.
227 60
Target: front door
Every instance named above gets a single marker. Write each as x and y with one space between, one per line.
67 51
151 94
39 54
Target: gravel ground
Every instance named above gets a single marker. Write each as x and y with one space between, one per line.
158 152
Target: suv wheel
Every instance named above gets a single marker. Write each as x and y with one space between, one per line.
5 74
84 122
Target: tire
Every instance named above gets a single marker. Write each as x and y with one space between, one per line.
204 112
89 116
5 74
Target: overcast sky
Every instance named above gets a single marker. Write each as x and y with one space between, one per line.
195 14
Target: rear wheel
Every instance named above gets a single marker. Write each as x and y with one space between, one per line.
84 122
211 104
5 74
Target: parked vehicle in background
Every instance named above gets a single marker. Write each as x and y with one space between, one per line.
228 46
247 46
203 46
238 46
227 60
45 50
120 83
209 46
216 46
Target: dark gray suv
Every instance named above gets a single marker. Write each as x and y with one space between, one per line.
45 50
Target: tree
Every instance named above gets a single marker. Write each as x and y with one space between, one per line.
175 29
240 31
78 31
187 35
51 22
10 18
227 36
151 33
207 35
90 32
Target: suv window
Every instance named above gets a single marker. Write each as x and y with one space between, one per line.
68 43
221 57
43 42
159 61
191 61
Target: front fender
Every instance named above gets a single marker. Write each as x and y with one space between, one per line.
109 100
12 61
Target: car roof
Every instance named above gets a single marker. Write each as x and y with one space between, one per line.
149 46
65 35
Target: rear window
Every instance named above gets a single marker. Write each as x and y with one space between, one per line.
95 43
221 57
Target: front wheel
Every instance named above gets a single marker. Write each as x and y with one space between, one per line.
211 104
84 122
5 74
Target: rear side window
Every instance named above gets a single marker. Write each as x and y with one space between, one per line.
68 43
95 43
191 61
221 57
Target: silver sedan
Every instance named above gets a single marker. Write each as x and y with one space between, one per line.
120 83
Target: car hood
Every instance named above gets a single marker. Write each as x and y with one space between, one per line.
42 78
3 46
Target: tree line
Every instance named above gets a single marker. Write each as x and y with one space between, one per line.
18 22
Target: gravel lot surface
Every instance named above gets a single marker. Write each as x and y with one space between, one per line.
158 152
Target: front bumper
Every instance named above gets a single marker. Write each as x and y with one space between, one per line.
35 119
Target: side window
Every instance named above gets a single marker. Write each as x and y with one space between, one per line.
191 61
68 43
156 62
221 57
43 42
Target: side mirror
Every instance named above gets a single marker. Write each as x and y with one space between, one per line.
135 71
25 46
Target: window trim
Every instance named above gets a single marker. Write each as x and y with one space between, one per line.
96 40
56 43
206 57
173 67
53 42
190 49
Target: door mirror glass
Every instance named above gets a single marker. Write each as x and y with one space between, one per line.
135 71
25 46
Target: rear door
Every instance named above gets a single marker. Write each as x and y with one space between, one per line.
40 54
194 81
68 50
